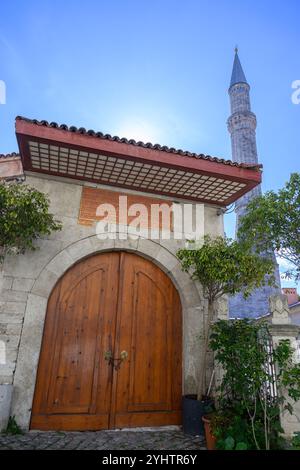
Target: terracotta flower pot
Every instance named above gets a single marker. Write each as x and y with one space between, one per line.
210 438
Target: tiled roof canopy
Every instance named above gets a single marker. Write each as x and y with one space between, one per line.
92 156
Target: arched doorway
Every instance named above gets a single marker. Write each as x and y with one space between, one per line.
106 307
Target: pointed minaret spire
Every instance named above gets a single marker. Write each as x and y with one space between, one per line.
237 75
242 122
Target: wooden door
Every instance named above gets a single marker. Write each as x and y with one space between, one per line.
110 302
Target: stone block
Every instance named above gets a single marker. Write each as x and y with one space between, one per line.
190 296
128 244
12 307
80 249
12 351
22 284
6 379
279 309
7 282
35 312
172 245
13 296
45 283
8 368
10 340
101 245
291 422
148 247
3 329
166 259
13 329
6 318
60 263
5 404
180 277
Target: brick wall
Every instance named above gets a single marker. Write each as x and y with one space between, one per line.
92 197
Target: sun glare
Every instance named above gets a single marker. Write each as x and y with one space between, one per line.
139 131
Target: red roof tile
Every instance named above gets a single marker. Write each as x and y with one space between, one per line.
163 148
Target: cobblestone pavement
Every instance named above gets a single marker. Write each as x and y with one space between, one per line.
103 440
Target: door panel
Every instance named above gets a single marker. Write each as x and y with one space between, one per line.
148 379
74 359
149 382
110 302
73 386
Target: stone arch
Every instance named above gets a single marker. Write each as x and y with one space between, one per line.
31 338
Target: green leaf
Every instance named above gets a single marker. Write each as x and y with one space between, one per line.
24 218
241 446
272 222
229 443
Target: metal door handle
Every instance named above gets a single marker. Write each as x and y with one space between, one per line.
115 362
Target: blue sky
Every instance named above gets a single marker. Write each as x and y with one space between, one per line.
155 70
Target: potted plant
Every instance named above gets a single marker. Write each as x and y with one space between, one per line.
225 430
222 266
209 432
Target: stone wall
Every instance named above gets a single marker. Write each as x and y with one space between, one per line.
28 279
283 329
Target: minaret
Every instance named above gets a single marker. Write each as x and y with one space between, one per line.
242 126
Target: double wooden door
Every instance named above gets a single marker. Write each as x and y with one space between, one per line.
111 350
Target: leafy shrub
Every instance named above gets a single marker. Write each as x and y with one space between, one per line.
13 427
24 217
296 441
257 380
